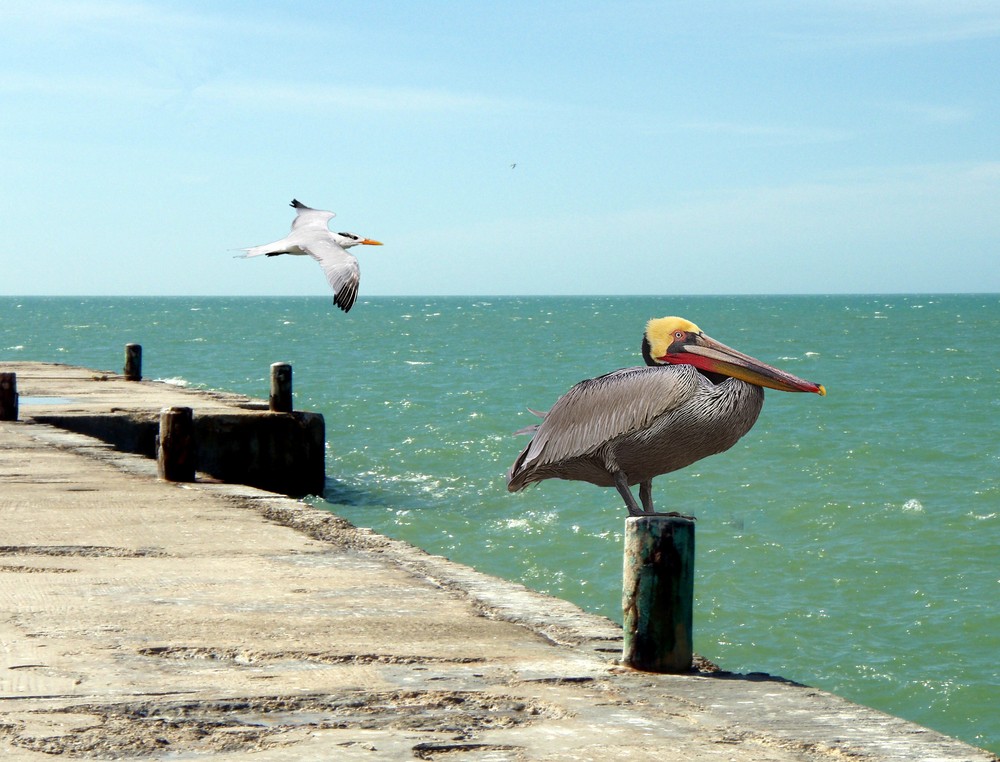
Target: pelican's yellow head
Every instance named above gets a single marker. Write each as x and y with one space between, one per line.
676 341
661 333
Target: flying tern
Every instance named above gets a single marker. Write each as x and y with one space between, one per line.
311 235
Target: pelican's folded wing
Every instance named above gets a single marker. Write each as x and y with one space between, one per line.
600 409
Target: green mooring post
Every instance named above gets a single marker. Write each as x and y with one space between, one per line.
8 396
658 593
133 362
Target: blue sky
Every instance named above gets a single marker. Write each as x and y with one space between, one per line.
707 147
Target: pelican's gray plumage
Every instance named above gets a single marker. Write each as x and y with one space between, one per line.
696 398
311 235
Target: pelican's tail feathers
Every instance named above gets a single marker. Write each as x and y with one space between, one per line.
517 476
533 427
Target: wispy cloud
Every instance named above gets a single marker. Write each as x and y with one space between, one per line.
931 113
310 97
173 52
866 208
267 96
137 19
894 23
773 132
69 13
71 87
872 229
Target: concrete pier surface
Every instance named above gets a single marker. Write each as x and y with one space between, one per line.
147 619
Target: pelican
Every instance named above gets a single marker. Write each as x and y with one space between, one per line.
311 235
696 398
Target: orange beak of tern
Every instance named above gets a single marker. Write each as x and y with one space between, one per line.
715 357
370 242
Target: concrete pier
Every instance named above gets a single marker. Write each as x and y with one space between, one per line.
237 439
145 618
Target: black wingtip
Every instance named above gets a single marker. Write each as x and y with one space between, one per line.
346 297
296 204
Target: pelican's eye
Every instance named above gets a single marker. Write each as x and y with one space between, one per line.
679 335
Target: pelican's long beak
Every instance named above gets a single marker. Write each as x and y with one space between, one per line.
715 357
370 242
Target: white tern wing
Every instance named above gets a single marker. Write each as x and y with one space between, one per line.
307 218
341 269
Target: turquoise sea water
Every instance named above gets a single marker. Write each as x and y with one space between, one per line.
850 542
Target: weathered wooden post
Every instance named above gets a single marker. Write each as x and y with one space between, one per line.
133 362
8 396
658 593
175 445
281 388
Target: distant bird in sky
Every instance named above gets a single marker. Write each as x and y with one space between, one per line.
311 235
696 398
